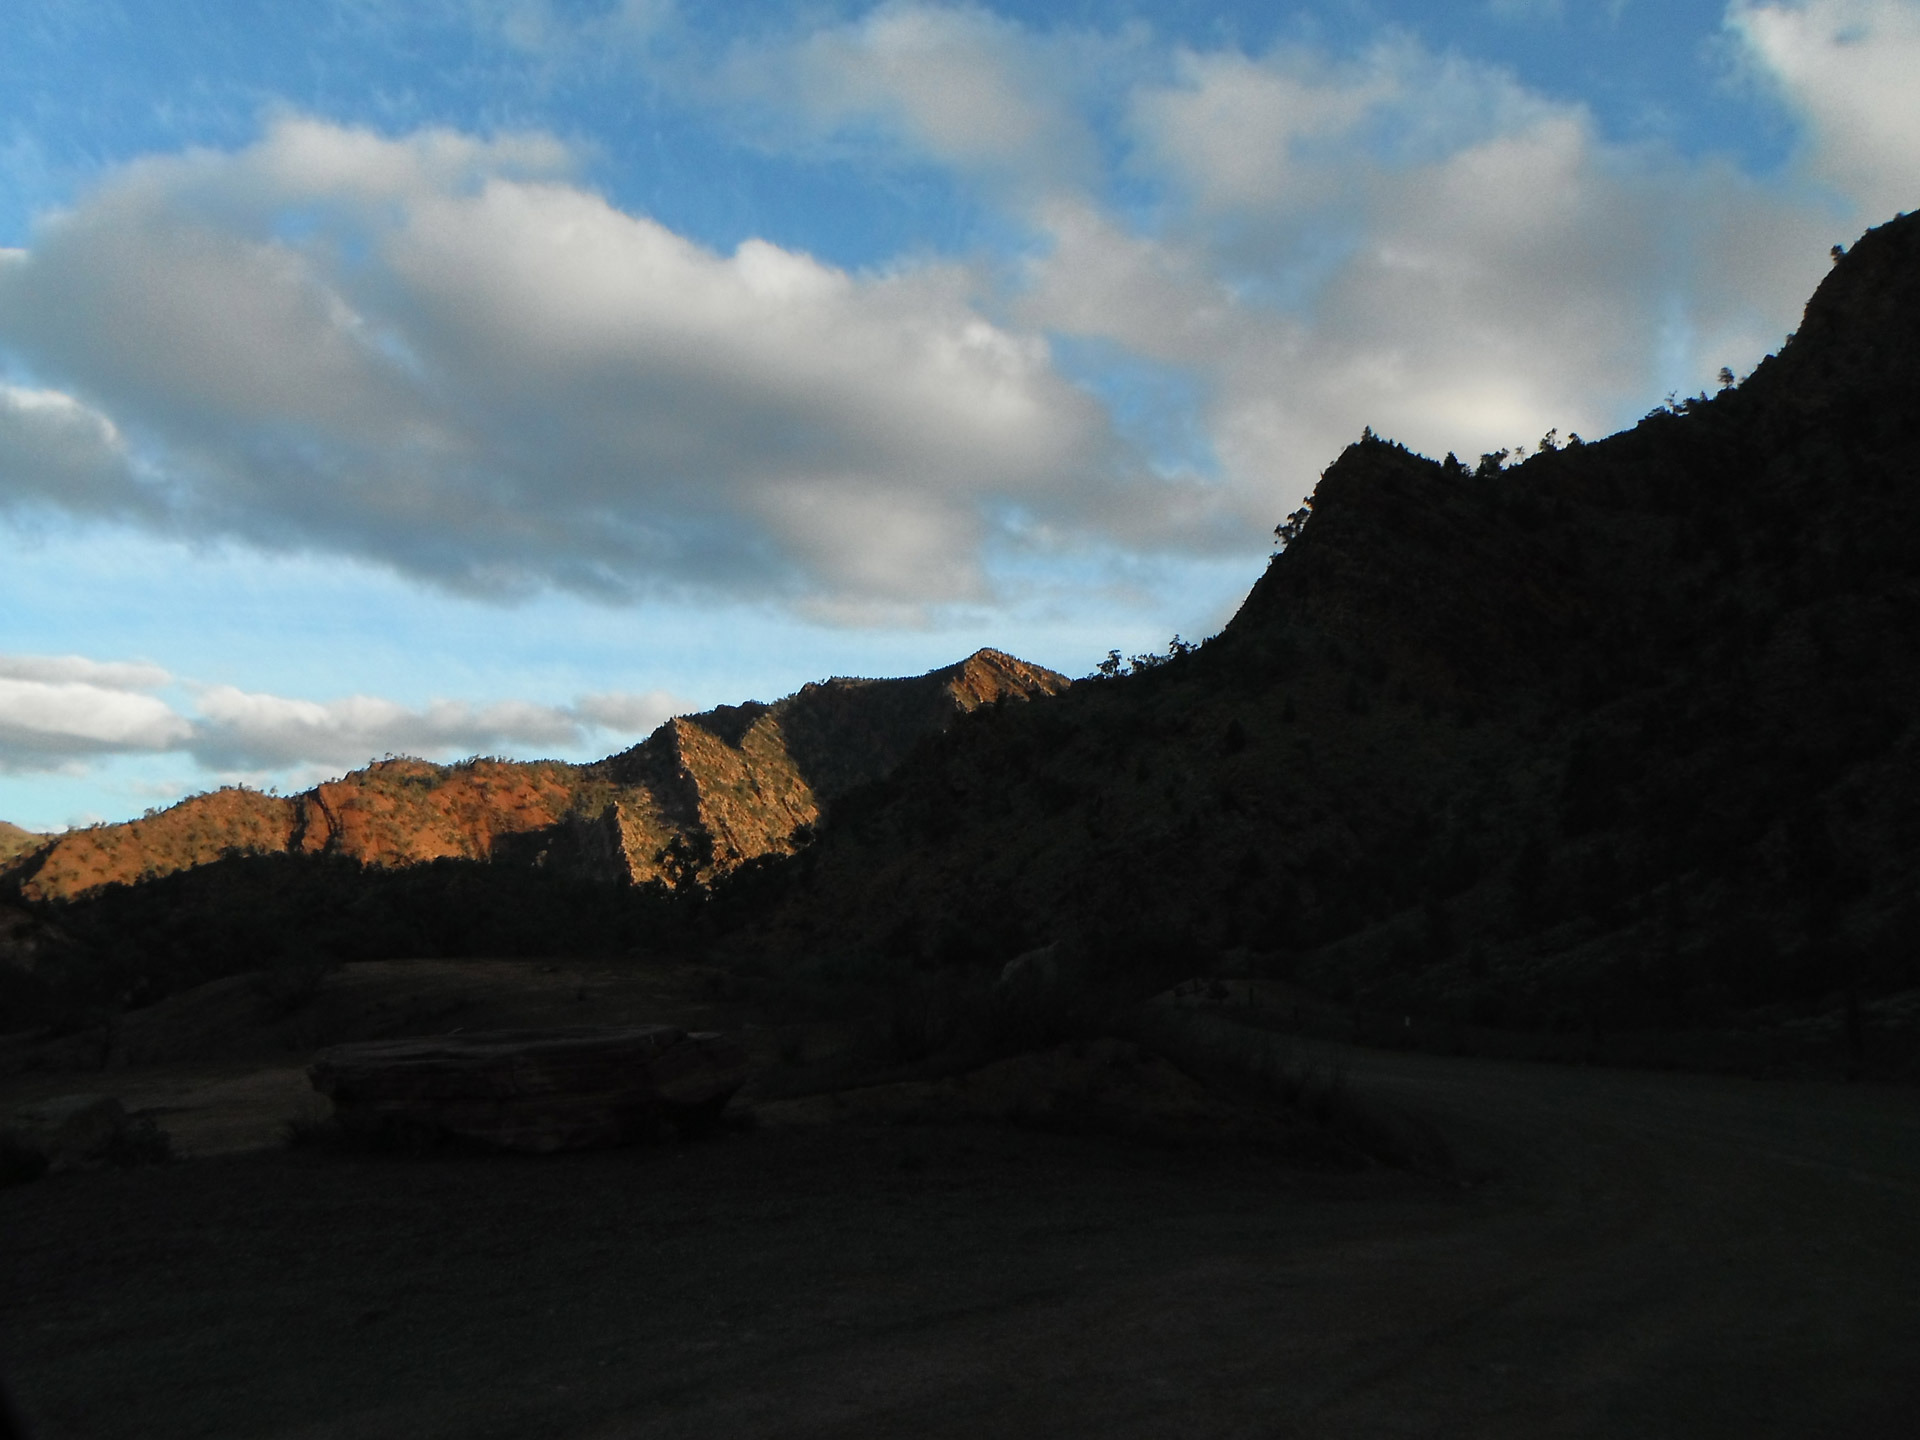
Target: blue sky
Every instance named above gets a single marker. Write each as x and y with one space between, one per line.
501 376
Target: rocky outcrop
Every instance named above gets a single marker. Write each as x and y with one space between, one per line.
842 734
408 812
701 795
569 1089
744 781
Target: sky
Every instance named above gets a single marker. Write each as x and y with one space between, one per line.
504 376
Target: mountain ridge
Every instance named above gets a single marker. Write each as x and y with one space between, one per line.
703 794
1618 737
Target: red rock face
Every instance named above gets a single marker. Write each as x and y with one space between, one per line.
731 784
752 776
195 832
751 798
986 675
407 812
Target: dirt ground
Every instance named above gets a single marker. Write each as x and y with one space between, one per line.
223 1068
1622 1254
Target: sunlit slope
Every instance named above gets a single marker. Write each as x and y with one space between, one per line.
698 797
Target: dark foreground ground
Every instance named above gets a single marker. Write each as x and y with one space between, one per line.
1641 1255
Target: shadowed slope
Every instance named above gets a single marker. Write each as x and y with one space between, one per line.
1620 735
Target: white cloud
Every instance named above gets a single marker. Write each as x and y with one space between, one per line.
1396 237
45 724
239 731
954 83
628 714
1418 243
78 670
1238 131
1852 68
446 354
56 711
439 353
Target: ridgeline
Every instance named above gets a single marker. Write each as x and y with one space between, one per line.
1617 737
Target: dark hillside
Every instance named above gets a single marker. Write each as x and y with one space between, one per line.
1618 736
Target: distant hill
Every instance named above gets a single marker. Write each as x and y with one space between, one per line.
15 842
488 857
698 797
1620 735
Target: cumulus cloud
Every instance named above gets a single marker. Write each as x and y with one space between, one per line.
958 84
447 354
628 714
1240 131
1395 237
1415 242
239 731
441 353
78 670
1849 67
58 711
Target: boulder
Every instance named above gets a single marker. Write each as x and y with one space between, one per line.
572 1089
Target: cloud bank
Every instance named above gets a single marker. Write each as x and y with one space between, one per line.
57 711
440 353
1848 68
447 354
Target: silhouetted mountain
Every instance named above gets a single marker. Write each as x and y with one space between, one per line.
1620 735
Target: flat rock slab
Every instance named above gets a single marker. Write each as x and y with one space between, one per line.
573 1089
